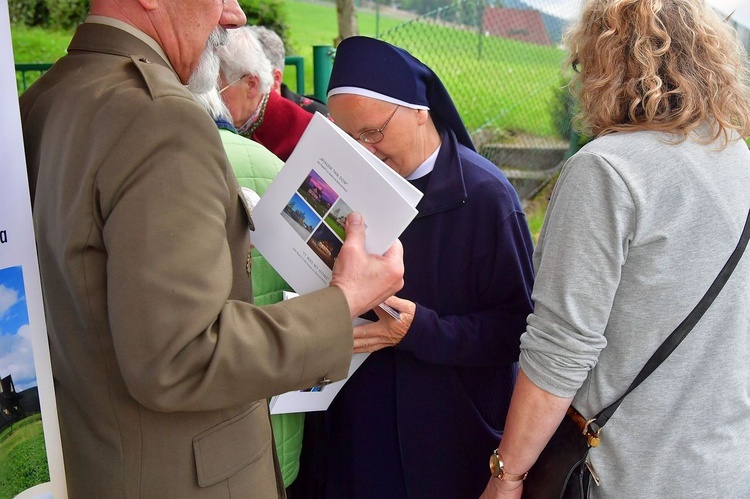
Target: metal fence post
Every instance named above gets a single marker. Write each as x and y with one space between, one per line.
22 69
322 65
377 18
299 64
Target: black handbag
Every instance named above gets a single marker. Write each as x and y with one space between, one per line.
562 470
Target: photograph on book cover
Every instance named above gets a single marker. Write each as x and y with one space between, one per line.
23 461
31 462
300 219
325 235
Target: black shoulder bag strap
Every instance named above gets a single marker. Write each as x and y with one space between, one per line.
681 331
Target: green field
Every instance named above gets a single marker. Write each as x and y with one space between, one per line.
503 83
314 24
37 45
336 227
495 82
23 459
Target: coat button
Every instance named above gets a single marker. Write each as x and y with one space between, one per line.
249 262
144 60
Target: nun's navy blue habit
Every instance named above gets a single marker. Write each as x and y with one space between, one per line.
420 420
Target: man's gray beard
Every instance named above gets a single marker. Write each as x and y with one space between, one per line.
206 74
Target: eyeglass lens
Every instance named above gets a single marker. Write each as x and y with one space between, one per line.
375 135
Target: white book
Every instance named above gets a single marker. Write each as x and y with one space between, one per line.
299 222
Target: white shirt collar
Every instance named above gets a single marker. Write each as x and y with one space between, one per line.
426 167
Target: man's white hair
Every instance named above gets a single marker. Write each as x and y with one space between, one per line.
243 55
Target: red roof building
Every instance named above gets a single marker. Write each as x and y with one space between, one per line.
522 25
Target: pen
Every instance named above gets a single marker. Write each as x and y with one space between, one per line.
391 311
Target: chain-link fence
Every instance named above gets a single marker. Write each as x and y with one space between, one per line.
502 65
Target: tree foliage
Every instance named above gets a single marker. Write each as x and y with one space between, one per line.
268 13
67 14
28 12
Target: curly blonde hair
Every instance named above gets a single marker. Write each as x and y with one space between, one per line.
660 65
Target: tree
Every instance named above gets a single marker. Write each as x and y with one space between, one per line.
347 20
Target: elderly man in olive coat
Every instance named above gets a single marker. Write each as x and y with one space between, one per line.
162 366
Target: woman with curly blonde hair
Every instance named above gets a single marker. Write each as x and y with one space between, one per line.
666 66
640 222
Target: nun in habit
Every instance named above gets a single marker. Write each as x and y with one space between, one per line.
421 416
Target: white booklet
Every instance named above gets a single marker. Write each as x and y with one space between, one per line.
299 222
316 398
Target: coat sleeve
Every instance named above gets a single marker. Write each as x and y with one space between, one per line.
592 213
184 337
500 271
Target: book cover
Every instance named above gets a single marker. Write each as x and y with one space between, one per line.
299 220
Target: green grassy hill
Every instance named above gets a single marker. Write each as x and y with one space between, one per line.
507 84
23 459
310 24
503 83
314 24
494 81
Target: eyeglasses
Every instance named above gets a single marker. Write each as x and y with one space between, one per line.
576 65
375 135
221 91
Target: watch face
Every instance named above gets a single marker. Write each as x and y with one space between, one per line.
495 464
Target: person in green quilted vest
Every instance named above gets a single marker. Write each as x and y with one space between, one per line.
255 168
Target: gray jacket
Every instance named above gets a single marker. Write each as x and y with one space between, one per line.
637 229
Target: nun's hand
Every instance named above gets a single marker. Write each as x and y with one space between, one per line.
387 331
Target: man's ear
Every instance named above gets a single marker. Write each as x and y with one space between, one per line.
278 76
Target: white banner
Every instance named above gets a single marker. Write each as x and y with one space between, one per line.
28 412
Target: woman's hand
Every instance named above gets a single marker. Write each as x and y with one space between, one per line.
387 331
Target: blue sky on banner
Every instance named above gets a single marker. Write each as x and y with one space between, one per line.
568 9
16 357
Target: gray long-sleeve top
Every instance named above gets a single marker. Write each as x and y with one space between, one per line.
637 229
